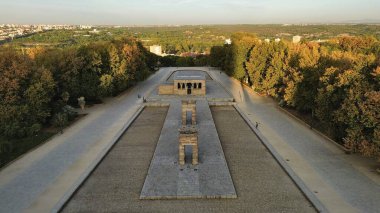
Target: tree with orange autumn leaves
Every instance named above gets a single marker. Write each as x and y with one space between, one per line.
32 81
337 82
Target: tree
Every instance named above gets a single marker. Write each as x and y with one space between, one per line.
217 56
258 63
89 72
242 44
60 120
26 93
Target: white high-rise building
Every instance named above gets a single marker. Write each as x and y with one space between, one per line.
156 49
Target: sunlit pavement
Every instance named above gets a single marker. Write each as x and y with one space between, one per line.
339 182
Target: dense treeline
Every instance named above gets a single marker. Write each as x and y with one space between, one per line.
36 85
184 61
337 82
193 38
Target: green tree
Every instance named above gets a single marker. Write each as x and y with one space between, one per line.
217 56
26 93
242 44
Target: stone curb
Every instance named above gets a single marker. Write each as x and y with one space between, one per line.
153 100
157 104
297 180
69 193
188 197
221 103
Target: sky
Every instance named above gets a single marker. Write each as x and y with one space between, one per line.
183 12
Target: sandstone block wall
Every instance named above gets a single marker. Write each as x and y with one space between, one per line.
188 140
189 106
165 89
198 87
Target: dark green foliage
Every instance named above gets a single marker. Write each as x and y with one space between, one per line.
10 149
184 61
169 61
36 87
60 120
217 56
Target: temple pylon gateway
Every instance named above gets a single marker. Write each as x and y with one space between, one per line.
188 136
188 133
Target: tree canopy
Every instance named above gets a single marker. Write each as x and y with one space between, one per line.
337 82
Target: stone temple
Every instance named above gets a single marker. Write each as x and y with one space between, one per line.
185 83
188 161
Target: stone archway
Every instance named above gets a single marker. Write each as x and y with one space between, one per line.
188 136
189 106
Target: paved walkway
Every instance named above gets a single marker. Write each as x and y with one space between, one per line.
339 181
39 180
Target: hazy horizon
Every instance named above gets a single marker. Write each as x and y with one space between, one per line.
188 12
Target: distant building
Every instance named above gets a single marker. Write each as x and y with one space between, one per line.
297 39
277 40
156 49
85 27
228 41
321 41
94 31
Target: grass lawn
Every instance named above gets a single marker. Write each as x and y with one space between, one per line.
13 148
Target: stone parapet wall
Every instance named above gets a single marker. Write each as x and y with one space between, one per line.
165 89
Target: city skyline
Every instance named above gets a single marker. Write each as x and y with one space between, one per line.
182 12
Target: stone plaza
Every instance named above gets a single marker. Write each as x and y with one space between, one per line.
185 164
170 177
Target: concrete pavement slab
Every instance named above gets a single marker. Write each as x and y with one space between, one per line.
166 179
